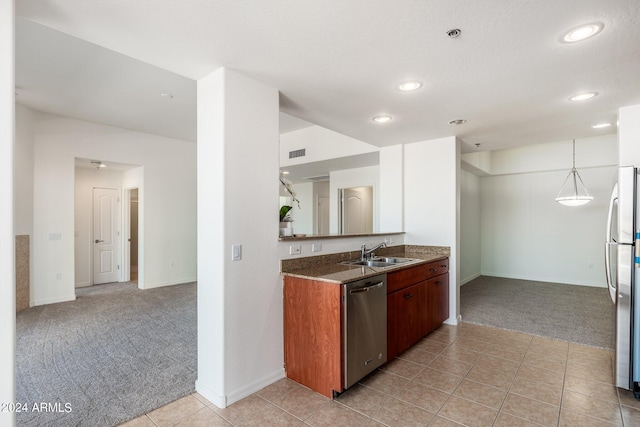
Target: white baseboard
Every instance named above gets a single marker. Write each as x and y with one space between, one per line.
52 300
468 279
248 390
161 285
545 279
211 395
453 320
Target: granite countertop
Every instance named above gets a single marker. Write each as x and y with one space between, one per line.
327 268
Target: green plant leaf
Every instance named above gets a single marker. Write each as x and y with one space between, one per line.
284 211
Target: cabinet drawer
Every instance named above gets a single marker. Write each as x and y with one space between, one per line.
439 267
397 280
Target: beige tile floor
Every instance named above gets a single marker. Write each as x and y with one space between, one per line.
459 375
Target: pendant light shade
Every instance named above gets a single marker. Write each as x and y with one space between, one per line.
573 191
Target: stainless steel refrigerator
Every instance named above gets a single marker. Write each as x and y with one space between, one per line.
622 265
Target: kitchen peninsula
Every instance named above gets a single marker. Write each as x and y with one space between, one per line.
318 315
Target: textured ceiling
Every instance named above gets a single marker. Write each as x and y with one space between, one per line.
336 63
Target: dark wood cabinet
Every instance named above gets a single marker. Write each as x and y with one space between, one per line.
313 334
417 303
403 319
437 300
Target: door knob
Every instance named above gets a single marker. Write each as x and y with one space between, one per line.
99 241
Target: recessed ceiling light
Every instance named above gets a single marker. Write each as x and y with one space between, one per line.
285 172
601 125
583 32
457 122
409 86
383 118
583 96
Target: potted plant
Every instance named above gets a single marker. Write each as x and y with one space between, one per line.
285 222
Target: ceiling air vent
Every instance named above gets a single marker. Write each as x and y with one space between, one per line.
297 153
318 178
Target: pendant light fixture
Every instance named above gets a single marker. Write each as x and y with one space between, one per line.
573 191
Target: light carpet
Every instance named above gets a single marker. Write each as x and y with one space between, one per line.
579 314
113 354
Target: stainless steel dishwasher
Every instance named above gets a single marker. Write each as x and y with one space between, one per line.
365 327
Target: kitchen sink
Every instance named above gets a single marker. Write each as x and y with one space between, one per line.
369 263
379 262
393 260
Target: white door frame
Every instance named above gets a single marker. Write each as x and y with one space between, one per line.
116 223
126 234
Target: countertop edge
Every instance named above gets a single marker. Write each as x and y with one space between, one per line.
327 268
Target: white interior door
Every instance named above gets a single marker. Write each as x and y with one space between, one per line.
322 216
357 210
105 235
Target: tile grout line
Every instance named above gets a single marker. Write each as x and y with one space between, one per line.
511 385
564 382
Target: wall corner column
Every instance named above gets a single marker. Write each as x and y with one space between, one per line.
240 332
629 136
7 242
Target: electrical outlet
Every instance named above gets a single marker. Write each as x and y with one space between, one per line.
295 249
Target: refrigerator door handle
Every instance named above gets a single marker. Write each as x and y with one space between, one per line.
607 267
609 242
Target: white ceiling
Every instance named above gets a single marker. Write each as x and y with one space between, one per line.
336 63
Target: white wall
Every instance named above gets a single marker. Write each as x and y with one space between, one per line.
23 173
134 178
431 207
629 135
338 244
470 235
320 190
525 233
595 151
7 242
320 144
169 199
348 178
240 342
303 215
23 177
85 181
391 199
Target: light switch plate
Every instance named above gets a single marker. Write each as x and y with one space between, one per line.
236 252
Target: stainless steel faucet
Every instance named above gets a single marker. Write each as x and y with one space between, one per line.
368 253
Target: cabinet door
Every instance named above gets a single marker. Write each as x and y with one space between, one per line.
437 300
423 324
312 334
402 320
